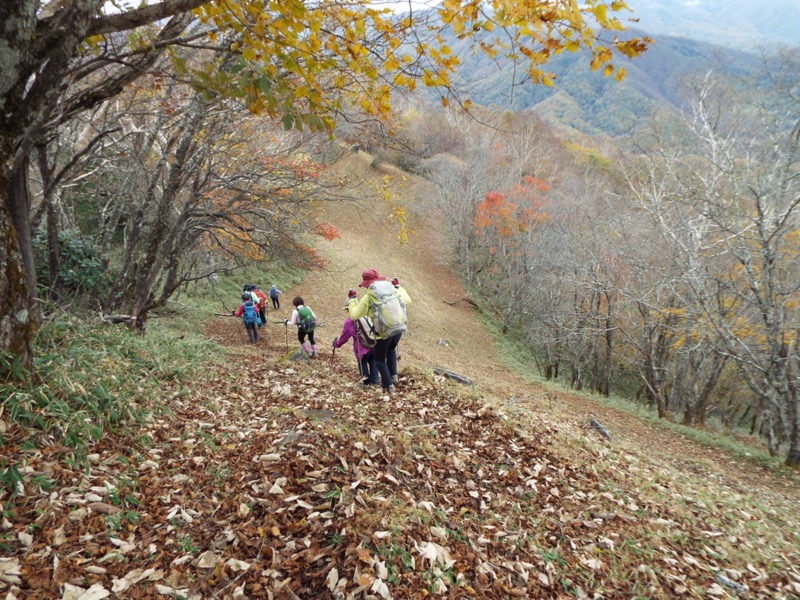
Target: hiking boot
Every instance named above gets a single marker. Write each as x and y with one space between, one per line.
395 380
391 390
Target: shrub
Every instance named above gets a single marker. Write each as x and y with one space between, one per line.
81 269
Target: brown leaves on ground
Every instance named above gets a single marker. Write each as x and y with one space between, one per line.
281 479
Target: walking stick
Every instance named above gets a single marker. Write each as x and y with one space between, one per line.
332 355
286 325
227 313
216 293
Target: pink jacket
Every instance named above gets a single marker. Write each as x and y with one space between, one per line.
349 331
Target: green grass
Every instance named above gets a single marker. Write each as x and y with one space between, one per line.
90 378
204 299
513 352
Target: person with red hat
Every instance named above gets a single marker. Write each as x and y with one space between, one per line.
385 304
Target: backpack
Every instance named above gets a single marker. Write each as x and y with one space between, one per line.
365 332
273 292
389 315
262 299
250 314
308 322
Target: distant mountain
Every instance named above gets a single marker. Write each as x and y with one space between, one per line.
740 24
592 104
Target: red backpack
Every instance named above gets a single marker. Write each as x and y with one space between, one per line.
262 298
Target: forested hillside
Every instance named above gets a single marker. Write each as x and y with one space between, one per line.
655 87
598 393
254 471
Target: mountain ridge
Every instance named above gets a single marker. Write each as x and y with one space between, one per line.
737 24
592 104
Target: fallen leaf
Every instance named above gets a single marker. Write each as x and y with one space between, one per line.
332 579
380 588
207 560
237 565
9 570
73 592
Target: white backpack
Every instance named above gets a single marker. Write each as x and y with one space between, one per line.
365 332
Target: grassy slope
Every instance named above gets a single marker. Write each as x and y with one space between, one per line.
696 461
294 470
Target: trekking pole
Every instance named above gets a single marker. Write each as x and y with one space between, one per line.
228 313
216 293
332 355
286 325
364 376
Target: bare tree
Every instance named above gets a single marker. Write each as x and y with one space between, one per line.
730 215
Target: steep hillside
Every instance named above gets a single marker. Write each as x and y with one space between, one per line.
444 330
280 477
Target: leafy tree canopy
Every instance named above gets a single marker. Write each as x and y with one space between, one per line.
306 62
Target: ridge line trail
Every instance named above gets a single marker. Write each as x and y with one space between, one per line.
368 239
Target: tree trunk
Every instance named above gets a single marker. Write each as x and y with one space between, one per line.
772 439
688 414
577 379
18 314
51 220
793 457
24 104
16 324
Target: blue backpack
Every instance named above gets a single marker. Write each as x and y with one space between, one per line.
250 314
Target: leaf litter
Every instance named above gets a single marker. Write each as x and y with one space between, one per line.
289 480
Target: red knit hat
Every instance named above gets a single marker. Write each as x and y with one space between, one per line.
369 276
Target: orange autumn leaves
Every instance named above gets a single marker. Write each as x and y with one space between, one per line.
514 213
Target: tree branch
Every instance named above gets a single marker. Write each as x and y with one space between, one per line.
142 16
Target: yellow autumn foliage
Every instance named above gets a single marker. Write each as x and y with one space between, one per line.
357 49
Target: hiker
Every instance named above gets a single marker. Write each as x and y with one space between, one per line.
274 294
262 302
248 289
306 322
363 353
386 306
250 317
